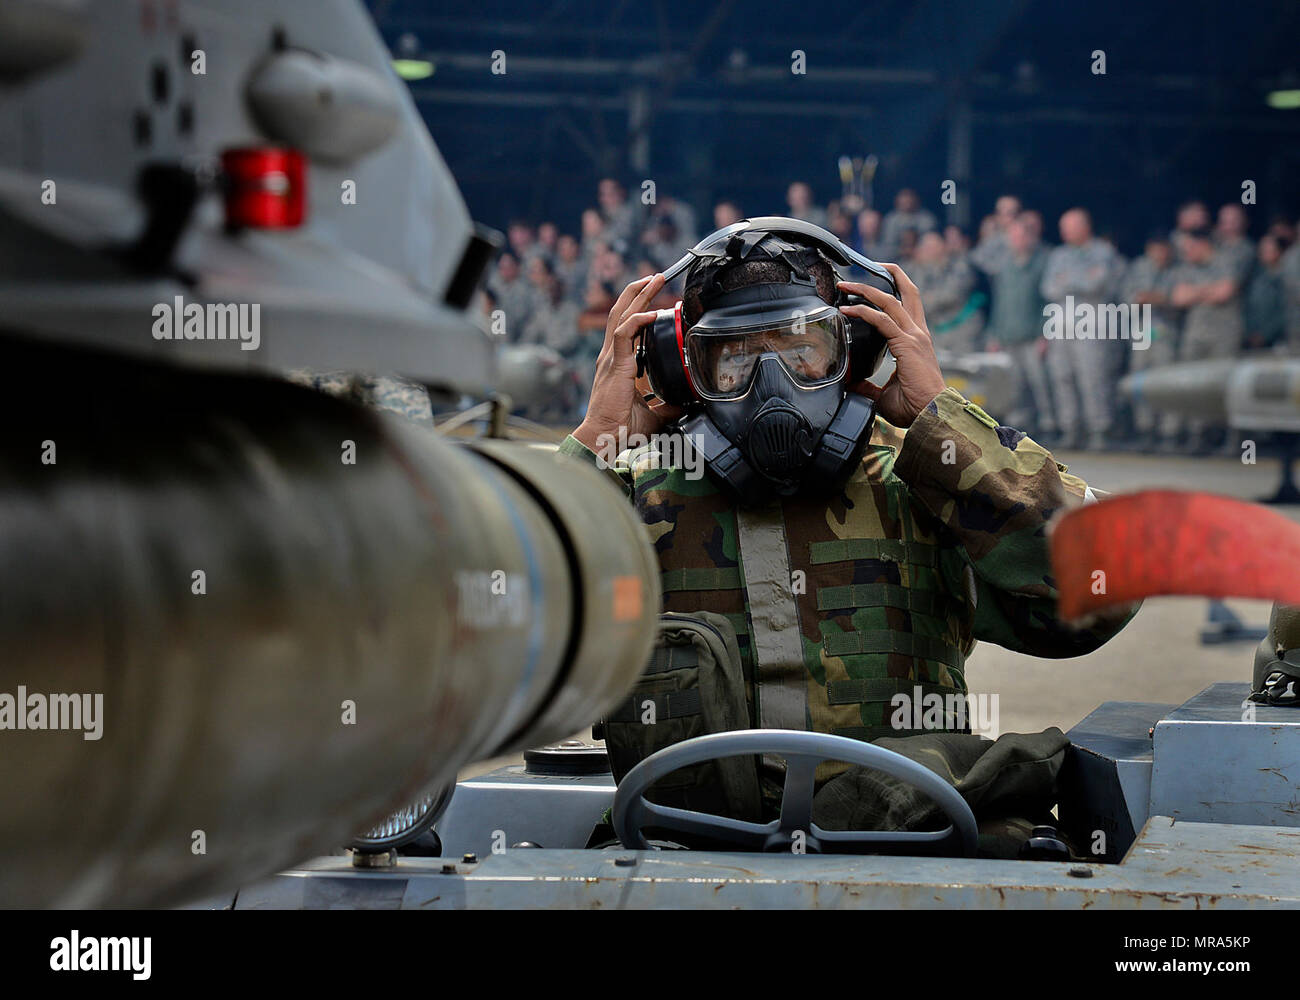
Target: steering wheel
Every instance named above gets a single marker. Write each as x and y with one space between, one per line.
802 752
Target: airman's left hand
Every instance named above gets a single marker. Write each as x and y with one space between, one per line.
917 380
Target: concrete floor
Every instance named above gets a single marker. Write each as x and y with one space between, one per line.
1158 657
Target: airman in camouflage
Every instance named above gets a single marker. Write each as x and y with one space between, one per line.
1290 268
1149 281
947 281
1207 288
1081 272
937 540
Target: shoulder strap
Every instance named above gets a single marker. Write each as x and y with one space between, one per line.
780 684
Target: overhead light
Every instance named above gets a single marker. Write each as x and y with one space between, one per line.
1284 100
413 69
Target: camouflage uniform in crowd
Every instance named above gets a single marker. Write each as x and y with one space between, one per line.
517 299
992 253
1209 331
1144 276
384 392
1239 255
1087 273
953 314
1263 309
897 222
937 540
1290 265
1016 325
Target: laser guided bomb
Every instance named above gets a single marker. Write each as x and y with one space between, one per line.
244 620
1253 396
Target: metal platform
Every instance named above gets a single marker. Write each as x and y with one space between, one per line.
1222 759
1171 866
1200 802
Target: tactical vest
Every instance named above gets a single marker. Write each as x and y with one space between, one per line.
866 613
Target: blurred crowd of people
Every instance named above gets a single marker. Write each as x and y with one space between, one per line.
1213 292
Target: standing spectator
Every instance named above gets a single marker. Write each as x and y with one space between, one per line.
570 268
1282 230
554 323
1016 326
1206 287
867 240
1149 281
593 237
1192 216
1264 310
618 214
907 216
945 281
725 213
905 252
1290 267
1084 269
1231 241
993 250
513 294
839 222
661 245
956 240
1034 220
799 198
683 221
519 234
547 238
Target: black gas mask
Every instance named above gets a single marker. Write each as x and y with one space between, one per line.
764 373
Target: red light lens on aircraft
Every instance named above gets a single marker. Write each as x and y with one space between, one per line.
265 188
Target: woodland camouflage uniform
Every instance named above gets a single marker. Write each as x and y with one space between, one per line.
936 541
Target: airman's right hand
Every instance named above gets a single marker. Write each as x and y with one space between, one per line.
615 404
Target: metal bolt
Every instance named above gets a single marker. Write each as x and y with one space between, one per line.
449 869
1080 871
470 858
625 861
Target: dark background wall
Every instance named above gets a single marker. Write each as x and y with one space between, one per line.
998 95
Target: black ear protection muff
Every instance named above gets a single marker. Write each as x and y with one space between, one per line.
776 433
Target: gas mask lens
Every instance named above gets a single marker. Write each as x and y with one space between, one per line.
813 350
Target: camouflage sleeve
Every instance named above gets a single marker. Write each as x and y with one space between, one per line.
617 469
994 490
1052 286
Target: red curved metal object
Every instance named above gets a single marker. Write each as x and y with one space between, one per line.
1139 545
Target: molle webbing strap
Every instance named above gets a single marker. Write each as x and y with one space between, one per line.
668 658
881 595
724 578
888 549
780 682
875 689
886 641
670 705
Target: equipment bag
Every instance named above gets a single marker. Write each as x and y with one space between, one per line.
694 685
